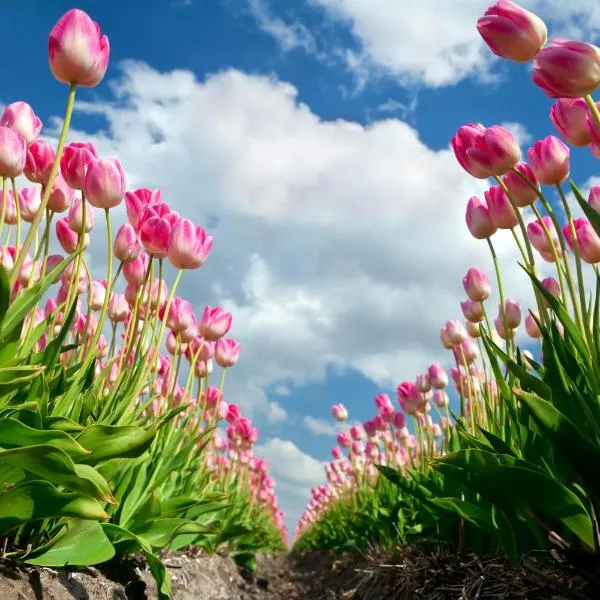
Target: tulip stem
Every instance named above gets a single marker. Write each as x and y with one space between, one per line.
501 294
4 200
593 109
20 258
18 209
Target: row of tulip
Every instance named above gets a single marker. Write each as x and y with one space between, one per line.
112 438
511 467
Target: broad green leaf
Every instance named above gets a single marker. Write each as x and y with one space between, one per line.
4 293
13 378
247 560
107 441
62 424
34 500
466 510
160 532
79 543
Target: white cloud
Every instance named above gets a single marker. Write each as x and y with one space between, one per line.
320 426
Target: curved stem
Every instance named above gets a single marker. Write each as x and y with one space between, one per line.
593 109
4 200
18 209
501 294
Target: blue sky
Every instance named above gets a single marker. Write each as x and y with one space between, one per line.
312 138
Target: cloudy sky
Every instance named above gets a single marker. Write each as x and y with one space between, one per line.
311 138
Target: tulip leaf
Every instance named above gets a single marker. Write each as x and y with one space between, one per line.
160 532
78 543
4 294
34 500
13 378
107 441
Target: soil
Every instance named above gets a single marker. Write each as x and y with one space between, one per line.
310 576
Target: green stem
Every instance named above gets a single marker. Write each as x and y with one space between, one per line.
4 200
18 209
20 258
593 109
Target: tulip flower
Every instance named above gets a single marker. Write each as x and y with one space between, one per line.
531 326
10 211
155 228
20 117
587 240
61 195
478 219
549 160
13 152
214 323
473 311
522 193
552 286
39 160
539 240
104 184
74 163
227 352
137 201
188 246
512 32
438 376
339 412
180 316
501 211
512 311
77 50
569 118
29 203
567 69
118 309
67 238
126 246
75 217
594 198
477 285
135 270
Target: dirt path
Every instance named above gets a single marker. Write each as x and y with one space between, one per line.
308 576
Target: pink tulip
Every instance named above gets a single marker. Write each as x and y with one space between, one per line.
97 295
7 257
464 139
440 398
104 184
595 150
52 262
539 240
180 316
227 352
356 433
466 352
126 246
75 217
423 383
478 219
552 286
38 162
214 323
549 160
587 240
594 198
155 228
520 191
135 270
473 311
455 331
512 32
339 412
29 202
569 118
118 309
473 329
501 211
438 376
593 129
567 69
13 152
77 50
188 246
203 368
337 453
10 212
67 238
74 163
512 311
20 117
477 285
343 439
137 201
61 195
532 327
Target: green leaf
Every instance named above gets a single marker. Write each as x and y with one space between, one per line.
4 294
34 500
466 510
160 532
14 433
246 560
13 378
107 441
79 543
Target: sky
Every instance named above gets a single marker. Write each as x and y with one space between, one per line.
311 139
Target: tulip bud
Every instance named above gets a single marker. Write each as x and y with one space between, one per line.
10 211
75 218
587 240
501 211
104 184
552 286
214 323
38 162
567 69
67 238
339 412
512 311
539 240
473 329
549 160
531 326
569 118
188 246
20 117
438 376
135 270
455 332
477 285
77 50
126 246
97 295
13 152
522 193
118 309
29 201
61 195
594 198
473 311
512 32
227 352
478 219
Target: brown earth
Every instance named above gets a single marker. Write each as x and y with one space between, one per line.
310 576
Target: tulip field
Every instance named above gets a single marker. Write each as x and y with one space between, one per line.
115 437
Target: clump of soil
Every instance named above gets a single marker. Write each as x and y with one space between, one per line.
410 575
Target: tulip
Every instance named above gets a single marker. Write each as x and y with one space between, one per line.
595 150
135 270
473 329
75 217
180 316
104 184
20 117
501 210
155 228
593 129
594 198
466 352
423 383
501 331
29 202
440 398
10 212
343 439
61 195
356 433
587 240
520 191
478 219
74 163
512 32
13 152
477 285
463 140
549 160
339 412
77 50
473 311
455 331
67 238
137 201
118 309
551 285
38 162
97 295
512 311
531 326
539 240
438 376
227 352
126 246
567 69
233 414
569 118
214 323
188 246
